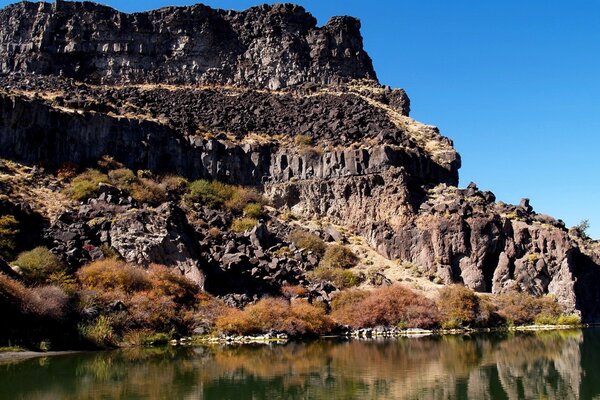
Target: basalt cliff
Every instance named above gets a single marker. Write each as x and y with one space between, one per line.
266 99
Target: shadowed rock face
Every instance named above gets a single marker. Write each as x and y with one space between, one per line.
264 47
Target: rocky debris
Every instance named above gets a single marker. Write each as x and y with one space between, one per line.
270 47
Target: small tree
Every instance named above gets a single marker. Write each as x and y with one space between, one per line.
582 228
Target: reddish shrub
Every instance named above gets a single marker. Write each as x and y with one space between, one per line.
151 310
390 306
520 308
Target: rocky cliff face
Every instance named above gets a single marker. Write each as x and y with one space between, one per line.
269 47
183 91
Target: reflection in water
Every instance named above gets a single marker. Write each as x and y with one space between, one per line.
552 365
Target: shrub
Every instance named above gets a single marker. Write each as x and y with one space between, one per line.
107 163
100 333
290 291
338 256
520 308
215 194
390 306
49 302
175 184
308 241
241 197
458 306
154 311
86 185
8 236
569 320
66 171
122 178
168 282
38 265
42 302
300 318
348 298
254 210
110 274
148 191
303 140
341 278
210 193
241 225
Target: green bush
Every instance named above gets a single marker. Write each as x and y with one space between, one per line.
242 225
210 193
122 178
99 333
338 256
215 194
569 320
38 265
308 241
341 278
8 236
86 185
253 210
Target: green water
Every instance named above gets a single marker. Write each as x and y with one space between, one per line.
547 365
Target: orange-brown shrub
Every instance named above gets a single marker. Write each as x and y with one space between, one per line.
299 318
521 308
459 307
390 306
111 274
289 291
167 282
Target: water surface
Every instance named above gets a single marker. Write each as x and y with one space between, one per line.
545 365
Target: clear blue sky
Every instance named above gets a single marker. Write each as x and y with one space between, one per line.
515 84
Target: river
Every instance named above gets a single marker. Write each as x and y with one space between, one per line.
541 365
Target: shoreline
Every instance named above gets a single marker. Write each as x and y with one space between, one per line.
359 334
10 356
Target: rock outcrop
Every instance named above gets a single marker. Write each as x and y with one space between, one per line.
269 47
263 98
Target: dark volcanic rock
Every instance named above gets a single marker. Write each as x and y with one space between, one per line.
263 47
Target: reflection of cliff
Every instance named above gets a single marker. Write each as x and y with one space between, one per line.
544 365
